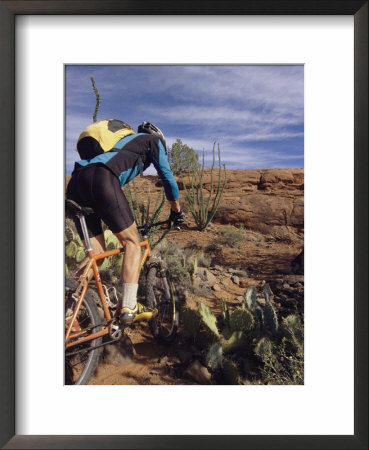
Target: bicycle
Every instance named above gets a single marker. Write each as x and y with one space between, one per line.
84 326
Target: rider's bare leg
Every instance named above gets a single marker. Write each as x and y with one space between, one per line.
132 254
130 270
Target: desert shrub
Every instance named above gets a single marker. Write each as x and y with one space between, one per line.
283 236
214 247
203 260
181 262
283 358
231 237
182 158
280 365
193 244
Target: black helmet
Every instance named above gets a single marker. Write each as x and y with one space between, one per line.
149 128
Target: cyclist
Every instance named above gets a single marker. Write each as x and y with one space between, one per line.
112 155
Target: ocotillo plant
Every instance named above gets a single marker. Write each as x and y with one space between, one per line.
203 209
94 118
141 210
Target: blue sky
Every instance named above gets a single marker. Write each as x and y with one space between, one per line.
255 113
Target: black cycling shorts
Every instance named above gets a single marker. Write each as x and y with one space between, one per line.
99 189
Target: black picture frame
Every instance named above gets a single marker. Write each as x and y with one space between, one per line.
8 11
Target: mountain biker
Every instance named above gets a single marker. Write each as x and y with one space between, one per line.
112 155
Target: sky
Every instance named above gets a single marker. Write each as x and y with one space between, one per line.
254 112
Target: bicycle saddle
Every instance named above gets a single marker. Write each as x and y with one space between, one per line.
73 208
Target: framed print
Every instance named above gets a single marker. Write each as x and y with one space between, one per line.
38 41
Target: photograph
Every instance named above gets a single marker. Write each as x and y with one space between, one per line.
184 224
162 255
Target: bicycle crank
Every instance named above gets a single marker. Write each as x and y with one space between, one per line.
115 331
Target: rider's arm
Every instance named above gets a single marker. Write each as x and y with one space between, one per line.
160 161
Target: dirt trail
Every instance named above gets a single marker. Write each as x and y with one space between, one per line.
152 363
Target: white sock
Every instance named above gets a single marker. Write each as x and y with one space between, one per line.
129 295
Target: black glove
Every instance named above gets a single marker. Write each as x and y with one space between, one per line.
177 217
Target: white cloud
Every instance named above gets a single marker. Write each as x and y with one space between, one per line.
235 105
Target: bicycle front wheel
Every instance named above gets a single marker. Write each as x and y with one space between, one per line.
81 360
160 294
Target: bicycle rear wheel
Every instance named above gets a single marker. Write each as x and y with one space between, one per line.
82 359
160 294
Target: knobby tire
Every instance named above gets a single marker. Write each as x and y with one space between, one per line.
161 295
79 368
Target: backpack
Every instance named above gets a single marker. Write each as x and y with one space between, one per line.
101 137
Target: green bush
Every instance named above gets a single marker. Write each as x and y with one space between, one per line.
230 237
182 158
177 261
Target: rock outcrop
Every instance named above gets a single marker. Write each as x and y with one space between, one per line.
252 198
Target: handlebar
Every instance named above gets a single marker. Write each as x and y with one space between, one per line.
144 229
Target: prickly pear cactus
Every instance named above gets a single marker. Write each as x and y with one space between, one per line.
250 298
78 240
225 311
214 357
107 233
71 249
80 255
268 294
206 338
230 372
208 317
191 321
259 314
111 240
241 320
270 318
105 265
110 246
236 342
69 234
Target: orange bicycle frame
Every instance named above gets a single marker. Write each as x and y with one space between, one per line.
74 338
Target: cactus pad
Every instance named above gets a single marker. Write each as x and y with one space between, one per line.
270 318
80 255
214 356
105 264
191 321
71 249
208 317
250 298
268 294
236 342
69 233
241 320
225 311
112 241
107 233
110 246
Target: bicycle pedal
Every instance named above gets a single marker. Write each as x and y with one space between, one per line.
115 331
